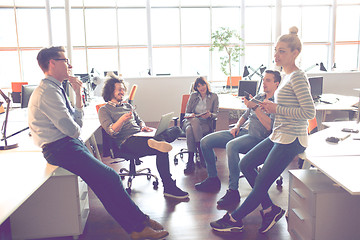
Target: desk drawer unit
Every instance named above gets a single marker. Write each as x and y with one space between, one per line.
320 210
60 207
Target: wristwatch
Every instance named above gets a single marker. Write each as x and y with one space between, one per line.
254 108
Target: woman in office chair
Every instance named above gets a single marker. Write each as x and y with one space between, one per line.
201 111
292 108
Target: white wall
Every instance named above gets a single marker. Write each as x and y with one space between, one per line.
342 83
158 95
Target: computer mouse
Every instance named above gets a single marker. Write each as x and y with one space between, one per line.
333 139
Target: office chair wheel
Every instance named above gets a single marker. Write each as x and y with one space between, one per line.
155 185
121 171
279 182
129 182
176 161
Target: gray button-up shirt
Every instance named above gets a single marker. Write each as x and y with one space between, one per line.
49 118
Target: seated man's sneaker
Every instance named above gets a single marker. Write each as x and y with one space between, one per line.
270 218
231 197
159 145
149 233
225 224
209 185
172 191
153 224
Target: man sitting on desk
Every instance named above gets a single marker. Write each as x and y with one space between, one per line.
252 127
56 126
120 120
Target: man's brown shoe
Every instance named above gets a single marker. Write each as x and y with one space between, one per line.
159 145
149 233
153 224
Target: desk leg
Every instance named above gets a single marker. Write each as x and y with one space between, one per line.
222 122
320 117
5 230
92 146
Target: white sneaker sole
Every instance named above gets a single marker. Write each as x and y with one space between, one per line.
232 229
275 220
160 146
177 197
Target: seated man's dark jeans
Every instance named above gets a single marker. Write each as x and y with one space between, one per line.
140 148
72 155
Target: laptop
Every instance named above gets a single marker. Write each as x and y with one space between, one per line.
163 125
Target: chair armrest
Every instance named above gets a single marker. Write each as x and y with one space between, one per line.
175 119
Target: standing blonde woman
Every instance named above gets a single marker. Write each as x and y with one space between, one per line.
292 108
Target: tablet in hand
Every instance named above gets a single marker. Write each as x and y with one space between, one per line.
255 100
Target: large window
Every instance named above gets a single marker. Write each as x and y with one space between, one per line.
174 37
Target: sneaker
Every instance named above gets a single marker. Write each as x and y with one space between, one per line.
190 167
231 197
269 219
172 191
226 225
159 145
149 233
153 224
209 185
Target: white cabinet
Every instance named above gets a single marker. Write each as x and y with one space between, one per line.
60 207
320 210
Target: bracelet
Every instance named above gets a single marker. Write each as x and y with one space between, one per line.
254 108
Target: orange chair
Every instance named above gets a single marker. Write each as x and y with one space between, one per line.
132 93
99 106
234 81
16 91
312 128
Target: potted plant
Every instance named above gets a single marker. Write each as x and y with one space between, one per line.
230 42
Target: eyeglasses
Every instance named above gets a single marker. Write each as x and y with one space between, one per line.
63 59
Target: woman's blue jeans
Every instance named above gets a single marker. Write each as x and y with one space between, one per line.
72 155
275 157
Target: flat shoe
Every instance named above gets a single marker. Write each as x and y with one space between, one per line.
159 145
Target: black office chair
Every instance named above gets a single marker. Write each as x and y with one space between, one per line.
110 148
180 121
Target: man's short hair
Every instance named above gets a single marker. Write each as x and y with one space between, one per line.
46 54
276 74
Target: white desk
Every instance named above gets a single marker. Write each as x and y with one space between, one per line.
229 102
324 204
341 103
340 161
26 179
319 147
21 174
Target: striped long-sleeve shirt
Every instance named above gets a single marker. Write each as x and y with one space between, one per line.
295 107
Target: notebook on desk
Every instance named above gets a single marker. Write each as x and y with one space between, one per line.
163 125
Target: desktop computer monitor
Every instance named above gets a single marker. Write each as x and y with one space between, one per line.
115 72
248 86
26 91
316 87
